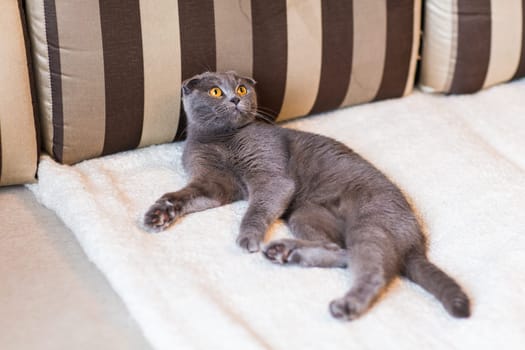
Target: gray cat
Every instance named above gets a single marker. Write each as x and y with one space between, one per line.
343 211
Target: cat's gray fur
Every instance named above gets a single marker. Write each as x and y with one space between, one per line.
343 211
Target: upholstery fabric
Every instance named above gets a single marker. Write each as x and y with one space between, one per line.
110 71
18 130
52 296
469 45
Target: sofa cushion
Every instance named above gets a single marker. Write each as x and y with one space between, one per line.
18 131
472 44
110 71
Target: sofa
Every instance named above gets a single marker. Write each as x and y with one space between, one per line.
91 125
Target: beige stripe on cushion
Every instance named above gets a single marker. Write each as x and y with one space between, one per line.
162 74
18 134
304 57
440 38
233 35
369 50
415 47
505 50
37 30
82 67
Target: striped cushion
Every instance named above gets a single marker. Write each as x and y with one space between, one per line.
110 70
18 132
472 44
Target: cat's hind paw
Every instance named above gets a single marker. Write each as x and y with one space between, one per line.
281 251
249 242
160 215
306 253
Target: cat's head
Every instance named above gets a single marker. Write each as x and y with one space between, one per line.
215 102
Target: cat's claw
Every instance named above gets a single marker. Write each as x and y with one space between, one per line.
160 215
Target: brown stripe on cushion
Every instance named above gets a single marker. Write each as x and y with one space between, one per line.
399 42
162 75
56 78
505 42
123 73
269 53
83 86
304 57
233 32
520 72
181 127
473 52
336 66
368 54
197 42
197 37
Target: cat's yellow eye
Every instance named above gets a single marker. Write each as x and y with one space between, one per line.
215 92
241 90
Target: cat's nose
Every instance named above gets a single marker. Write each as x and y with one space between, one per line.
235 100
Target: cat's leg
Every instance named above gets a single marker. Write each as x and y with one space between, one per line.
198 195
317 229
267 202
373 263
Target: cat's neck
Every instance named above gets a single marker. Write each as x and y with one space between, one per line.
215 135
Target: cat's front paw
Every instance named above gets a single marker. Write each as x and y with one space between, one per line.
250 242
160 215
347 308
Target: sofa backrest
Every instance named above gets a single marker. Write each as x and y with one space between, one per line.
109 72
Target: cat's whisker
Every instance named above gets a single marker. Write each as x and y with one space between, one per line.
183 131
221 109
269 115
207 68
268 110
264 118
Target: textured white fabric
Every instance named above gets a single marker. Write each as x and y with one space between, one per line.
460 159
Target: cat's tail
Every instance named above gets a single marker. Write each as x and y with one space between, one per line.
421 271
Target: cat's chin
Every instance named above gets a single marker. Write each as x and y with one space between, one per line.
240 118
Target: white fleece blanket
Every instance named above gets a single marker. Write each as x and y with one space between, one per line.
461 160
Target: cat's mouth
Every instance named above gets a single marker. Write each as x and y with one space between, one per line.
240 111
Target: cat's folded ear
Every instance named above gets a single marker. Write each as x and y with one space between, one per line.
189 84
248 79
